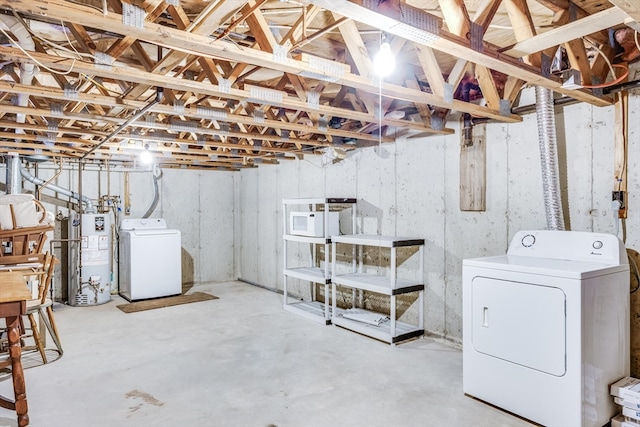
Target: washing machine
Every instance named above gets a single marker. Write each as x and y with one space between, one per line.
546 326
150 259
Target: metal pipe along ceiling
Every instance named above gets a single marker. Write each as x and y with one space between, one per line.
549 158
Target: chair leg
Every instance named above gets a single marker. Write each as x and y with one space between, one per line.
36 336
51 329
52 321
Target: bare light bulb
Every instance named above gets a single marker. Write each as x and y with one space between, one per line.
146 157
384 61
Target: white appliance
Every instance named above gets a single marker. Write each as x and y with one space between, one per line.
150 259
90 281
313 224
546 326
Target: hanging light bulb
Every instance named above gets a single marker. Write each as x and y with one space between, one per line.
146 157
385 61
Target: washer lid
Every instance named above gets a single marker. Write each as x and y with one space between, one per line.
147 233
143 223
545 266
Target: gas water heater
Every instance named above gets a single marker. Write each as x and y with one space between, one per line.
90 280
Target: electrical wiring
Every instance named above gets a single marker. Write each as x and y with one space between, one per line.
613 82
41 65
611 69
636 272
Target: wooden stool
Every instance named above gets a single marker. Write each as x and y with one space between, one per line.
13 297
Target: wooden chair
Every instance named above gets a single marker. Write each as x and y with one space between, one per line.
42 305
12 306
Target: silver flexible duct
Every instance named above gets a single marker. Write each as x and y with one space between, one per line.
13 182
156 174
37 181
549 158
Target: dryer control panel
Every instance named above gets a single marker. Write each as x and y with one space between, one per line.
569 245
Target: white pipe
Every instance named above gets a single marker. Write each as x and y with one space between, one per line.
27 71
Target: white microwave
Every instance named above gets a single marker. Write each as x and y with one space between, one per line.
311 224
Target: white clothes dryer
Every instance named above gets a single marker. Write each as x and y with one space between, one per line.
546 326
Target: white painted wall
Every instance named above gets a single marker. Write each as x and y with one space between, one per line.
411 188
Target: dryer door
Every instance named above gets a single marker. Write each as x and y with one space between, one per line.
520 323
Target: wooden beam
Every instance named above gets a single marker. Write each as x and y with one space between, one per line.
621 147
578 59
455 16
630 7
485 13
473 181
356 47
429 63
457 47
523 26
204 46
574 30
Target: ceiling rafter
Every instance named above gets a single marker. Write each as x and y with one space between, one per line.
242 77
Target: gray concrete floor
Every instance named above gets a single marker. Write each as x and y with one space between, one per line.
240 360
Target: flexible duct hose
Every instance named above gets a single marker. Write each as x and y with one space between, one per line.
38 181
549 158
156 193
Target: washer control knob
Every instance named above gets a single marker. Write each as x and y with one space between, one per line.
597 244
528 240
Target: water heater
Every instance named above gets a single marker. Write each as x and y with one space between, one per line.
90 280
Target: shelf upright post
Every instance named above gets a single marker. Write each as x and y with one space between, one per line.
284 251
393 278
421 294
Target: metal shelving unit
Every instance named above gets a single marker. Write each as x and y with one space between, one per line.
360 320
312 272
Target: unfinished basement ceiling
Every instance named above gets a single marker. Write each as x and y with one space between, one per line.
230 84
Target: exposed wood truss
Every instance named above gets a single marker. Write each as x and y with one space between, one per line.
243 83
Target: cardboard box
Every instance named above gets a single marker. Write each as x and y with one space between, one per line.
631 413
627 388
620 401
620 421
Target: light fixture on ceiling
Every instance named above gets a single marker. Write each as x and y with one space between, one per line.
145 156
385 61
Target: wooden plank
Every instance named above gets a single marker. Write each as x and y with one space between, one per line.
423 110
486 12
523 26
621 146
167 110
488 87
431 68
630 7
455 16
577 55
473 182
453 45
356 47
297 30
201 45
574 30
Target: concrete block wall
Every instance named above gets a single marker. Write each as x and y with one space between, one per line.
411 187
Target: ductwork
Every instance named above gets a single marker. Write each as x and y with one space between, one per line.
27 71
88 204
549 158
13 182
